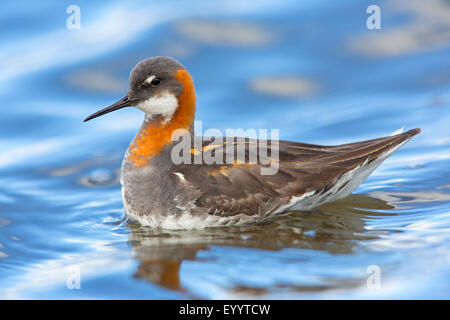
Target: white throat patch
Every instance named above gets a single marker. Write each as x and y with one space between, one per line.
165 105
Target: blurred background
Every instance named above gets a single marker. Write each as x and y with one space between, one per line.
313 69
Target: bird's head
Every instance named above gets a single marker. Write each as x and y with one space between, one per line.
160 87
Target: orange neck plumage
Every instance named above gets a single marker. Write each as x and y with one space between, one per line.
156 135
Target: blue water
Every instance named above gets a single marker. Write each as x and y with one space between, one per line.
61 216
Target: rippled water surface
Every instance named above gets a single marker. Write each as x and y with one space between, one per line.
310 68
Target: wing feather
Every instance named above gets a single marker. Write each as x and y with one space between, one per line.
232 189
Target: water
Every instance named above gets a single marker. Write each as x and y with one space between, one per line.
312 69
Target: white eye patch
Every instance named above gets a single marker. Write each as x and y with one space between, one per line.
149 79
164 104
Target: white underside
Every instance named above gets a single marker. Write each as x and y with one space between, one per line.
189 222
306 201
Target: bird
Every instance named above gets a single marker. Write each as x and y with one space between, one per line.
162 193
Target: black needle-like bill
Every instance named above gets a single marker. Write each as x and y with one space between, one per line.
122 103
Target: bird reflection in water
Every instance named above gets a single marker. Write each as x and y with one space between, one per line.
336 228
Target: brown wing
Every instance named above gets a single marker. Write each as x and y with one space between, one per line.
240 188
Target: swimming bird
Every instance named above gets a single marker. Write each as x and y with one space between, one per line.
162 193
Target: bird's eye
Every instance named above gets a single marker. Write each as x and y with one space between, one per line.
156 81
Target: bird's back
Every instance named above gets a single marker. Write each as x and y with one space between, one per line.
307 175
